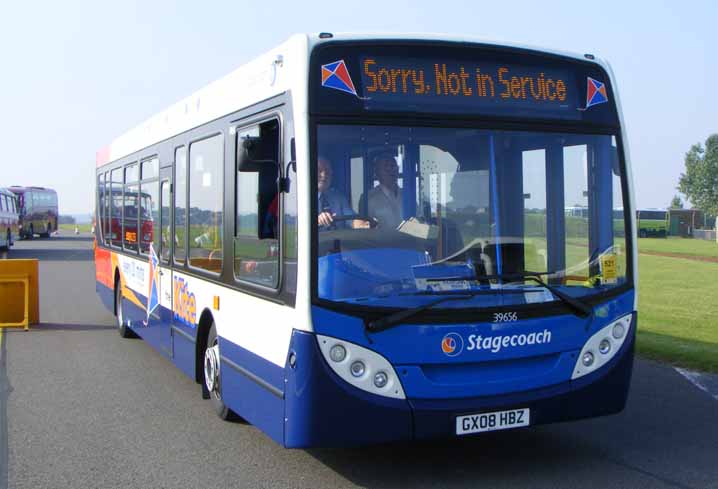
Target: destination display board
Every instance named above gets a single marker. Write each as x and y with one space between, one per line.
396 83
474 81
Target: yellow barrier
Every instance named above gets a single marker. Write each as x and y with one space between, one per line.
19 304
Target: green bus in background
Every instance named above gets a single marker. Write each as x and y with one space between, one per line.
652 223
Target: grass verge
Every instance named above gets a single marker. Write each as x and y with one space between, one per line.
677 319
684 246
84 228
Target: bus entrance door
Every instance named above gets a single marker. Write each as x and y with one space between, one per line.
164 321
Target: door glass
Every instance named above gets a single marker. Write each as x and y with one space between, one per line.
165 222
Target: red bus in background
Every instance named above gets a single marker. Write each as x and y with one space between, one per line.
126 208
8 219
38 211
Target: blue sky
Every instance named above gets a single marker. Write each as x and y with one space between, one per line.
78 74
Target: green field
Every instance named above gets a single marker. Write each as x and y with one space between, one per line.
685 246
678 302
84 228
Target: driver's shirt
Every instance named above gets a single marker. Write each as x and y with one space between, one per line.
336 204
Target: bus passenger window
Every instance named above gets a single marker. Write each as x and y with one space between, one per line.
257 224
130 235
149 206
205 203
116 207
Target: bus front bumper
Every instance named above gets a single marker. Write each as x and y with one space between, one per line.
323 410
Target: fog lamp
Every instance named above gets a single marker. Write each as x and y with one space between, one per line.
605 346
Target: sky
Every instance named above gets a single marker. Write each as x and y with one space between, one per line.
75 75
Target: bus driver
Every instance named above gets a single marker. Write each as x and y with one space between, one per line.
331 203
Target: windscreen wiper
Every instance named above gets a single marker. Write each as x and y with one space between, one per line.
395 318
579 307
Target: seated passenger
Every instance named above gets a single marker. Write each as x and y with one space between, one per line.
384 201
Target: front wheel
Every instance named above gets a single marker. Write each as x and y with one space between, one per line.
213 376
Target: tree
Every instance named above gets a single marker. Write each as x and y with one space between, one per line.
676 203
700 181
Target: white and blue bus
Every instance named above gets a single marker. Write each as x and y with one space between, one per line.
362 239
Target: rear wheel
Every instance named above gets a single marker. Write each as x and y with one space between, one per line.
31 232
213 376
122 327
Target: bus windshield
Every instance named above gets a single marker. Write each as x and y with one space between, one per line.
407 213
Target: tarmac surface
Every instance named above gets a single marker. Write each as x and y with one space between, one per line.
81 407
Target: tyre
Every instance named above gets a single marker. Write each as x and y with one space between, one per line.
31 233
48 231
213 376
122 327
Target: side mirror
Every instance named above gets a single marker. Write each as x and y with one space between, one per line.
248 159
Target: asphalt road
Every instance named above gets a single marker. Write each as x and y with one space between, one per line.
81 407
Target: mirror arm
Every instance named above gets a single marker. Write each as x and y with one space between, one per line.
284 183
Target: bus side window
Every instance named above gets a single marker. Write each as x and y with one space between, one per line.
257 225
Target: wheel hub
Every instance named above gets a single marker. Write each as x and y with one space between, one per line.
211 367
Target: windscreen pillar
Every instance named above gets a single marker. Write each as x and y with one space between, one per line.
410 160
600 177
555 210
511 187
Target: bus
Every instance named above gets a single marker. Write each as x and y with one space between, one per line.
652 223
8 219
127 214
38 211
362 239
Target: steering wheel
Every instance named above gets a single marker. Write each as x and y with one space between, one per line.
357 217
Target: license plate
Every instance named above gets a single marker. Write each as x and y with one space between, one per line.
498 420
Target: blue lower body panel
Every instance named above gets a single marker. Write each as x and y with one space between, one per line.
253 388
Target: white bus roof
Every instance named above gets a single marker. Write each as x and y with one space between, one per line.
266 76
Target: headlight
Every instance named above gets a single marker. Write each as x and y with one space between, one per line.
602 346
361 367
337 353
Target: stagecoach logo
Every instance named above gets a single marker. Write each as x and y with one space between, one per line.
452 344
335 75
595 93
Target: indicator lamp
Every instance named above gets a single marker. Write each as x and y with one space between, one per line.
380 379
587 359
605 346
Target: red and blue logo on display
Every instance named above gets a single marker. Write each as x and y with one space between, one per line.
335 75
595 93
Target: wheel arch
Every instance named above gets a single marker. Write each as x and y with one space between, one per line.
203 326
114 290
